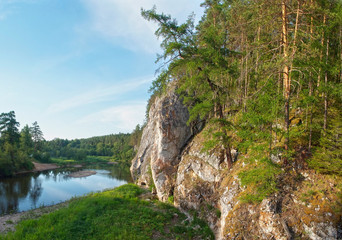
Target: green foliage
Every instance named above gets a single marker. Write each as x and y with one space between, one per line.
15 148
216 134
259 94
9 128
328 158
218 213
113 214
18 150
135 137
151 184
37 137
171 199
119 147
177 42
26 142
262 179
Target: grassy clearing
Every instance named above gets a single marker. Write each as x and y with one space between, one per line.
113 214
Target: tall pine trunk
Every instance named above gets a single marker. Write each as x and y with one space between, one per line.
310 88
326 91
286 79
321 55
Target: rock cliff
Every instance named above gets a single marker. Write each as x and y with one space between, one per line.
163 138
171 161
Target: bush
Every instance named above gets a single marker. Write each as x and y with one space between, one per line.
328 158
262 181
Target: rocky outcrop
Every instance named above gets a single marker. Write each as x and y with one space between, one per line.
201 186
163 139
172 162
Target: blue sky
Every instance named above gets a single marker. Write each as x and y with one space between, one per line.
80 68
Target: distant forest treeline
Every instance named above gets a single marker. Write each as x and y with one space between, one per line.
119 146
18 148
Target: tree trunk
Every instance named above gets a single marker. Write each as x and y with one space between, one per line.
310 89
286 79
257 57
246 78
326 91
294 48
241 90
229 157
321 54
311 116
341 54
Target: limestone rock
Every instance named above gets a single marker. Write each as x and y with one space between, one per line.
170 160
163 139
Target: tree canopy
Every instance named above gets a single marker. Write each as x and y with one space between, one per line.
267 78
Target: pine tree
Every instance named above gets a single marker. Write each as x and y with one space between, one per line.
26 142
328 158
37 136
264 76
9 128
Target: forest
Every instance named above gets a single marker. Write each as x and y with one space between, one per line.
120 147
18 148
266 77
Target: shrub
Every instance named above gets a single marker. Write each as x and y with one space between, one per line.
262 180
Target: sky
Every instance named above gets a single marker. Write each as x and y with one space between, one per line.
80 68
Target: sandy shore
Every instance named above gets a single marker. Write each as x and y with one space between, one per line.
38 167
8 222
44 166
82 174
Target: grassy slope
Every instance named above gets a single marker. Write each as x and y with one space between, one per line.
113 214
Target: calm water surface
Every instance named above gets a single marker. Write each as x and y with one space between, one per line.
29 191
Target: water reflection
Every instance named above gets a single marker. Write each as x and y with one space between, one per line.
12 190
36 190
33 190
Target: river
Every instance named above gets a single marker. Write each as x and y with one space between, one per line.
29 191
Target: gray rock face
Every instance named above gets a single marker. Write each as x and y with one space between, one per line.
163 138
200 186
173 163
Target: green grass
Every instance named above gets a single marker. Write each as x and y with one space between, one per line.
113 214
89 159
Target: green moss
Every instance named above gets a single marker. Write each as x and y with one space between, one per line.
151 184
171 200
218 213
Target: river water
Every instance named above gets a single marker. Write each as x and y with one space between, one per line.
33 190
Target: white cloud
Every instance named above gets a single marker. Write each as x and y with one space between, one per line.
125 117
121 21
99 94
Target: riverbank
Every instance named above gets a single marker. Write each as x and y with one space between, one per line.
126 212
39 167
10 221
